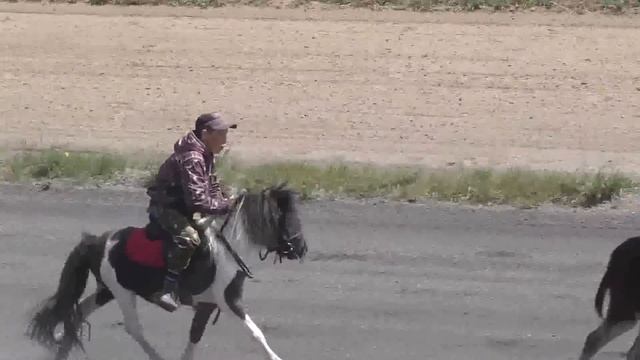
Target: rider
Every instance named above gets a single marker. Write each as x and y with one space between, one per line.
184 189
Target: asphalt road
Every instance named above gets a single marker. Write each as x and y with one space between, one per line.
382 282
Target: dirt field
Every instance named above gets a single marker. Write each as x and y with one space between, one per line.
540 90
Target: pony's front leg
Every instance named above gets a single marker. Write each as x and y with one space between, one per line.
257 334
233 299
198 324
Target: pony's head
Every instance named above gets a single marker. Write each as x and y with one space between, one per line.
271 221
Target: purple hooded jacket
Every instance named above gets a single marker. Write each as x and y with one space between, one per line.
185 181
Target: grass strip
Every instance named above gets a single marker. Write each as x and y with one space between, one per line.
518 187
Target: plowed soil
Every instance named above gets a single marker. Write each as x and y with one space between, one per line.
555 91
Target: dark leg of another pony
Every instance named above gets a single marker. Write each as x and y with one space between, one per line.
603 334
620 317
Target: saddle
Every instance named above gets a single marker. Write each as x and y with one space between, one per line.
140 260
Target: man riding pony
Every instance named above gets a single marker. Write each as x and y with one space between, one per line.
185 189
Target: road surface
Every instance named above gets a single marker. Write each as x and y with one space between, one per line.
383 281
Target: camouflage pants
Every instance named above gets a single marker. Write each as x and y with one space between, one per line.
186 238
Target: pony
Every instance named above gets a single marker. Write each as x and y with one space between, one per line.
620 281
130 262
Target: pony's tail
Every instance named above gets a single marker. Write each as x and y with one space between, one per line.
63 305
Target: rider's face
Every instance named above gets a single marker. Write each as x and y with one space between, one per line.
215 140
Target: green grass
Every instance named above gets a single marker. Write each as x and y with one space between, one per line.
60 164
475 186
69 165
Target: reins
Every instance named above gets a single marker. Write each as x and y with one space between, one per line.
219 233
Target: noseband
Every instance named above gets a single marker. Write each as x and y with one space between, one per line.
283 249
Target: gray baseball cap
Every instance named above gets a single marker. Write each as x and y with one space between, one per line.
213 121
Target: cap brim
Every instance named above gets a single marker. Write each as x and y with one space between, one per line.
223 127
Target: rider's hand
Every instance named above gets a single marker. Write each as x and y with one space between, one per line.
234 197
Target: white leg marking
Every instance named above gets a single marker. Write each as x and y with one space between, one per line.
257 334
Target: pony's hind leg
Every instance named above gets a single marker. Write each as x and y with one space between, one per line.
233 297
86 307
89 304
199 322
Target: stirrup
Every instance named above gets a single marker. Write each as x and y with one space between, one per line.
166 305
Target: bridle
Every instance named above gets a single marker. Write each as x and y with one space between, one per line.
283 250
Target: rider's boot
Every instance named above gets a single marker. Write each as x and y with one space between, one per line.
179 258
167 298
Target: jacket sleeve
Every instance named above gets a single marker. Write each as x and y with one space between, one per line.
196 186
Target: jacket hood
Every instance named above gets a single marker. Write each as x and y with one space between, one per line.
189 142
